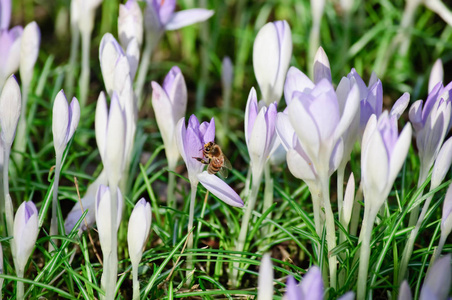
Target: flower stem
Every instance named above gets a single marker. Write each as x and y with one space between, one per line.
330 230
170 189
149 44
408 250
7 207
56 180
21 132
268 197
136 284
191 215
84 75
316 196
340 187
75 43
256 181
20 286
365 236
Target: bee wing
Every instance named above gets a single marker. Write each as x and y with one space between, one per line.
226 163
223 172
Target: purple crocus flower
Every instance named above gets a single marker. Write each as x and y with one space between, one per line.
170 103
65 121
9 52
311 286
160 16
382 156
272 51
25 232
190 142
260 135
431 124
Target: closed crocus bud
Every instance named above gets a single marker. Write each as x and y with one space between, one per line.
109 55
10 107
110 130
272 52
442 164
436 75
160 16
431 122
260 135
321 66
265 283
220 189
65 121
103 217
438 280
25 232
446 220
138 230
9 52
190 141
404 291
349 199
312 284
382 156
85 14
29 50
170 103
130 23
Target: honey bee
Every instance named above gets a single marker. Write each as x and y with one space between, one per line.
214 157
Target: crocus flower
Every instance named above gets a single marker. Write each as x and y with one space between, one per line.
10 107
25 232
404 291
190 142
220 189
29 50
442 164
111 55
446 220
438 280
160 16
272 51
265 284
170 103
138 230
260 135
103 217
431 123
110 136
436 75
130 23
65 121
383 154
9 52
83 11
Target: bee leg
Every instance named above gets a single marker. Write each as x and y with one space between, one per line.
202 160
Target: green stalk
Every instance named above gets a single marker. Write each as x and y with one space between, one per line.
256 181
136 284
21 133
70 76
330 230
7 206
340 187
171 198
408 250
356 211
365 236
268 197
191 216
54 220
414 215
316 196
20 285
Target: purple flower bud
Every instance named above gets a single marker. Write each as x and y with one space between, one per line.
10 107
438 280
436 75
312 284
9 52
65 121
272 52
404 291
25 232
170 103
130 23
138 230
321 66
265 284
29 50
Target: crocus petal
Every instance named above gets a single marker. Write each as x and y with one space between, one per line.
293 291
5 14
188 17
29 50
299 166
347 296
442 164
220 189
446 220
349 198
133 57
25 232
404 291
163 112
284 130
101 122
180 133
165 9
399 153
109 53
400 105
130 23
349 113
436 75
251 111
438 280
265 284
312 284
296 81
321 66
74 117
10 107
227 73
209 132
60 122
